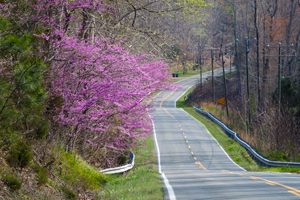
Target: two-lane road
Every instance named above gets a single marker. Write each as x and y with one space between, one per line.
194 166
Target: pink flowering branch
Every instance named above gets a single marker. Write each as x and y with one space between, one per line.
102 85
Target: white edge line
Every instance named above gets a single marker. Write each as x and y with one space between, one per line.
169 187
156 145
166 181
215 140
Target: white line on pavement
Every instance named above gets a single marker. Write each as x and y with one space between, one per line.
166 181
215 140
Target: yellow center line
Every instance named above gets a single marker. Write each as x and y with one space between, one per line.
166 97
294 193
200 165
253 178
169 113
295 190
269 183
290 189
237 173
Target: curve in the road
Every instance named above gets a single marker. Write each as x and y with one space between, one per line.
194 166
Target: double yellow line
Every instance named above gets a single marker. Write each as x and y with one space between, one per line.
290 189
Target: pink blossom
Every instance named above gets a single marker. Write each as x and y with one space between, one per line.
103 86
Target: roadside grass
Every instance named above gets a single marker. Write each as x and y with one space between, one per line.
78 173
182 75
142 182
180 103
237 153
189 73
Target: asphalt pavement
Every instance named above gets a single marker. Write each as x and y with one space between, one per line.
194 166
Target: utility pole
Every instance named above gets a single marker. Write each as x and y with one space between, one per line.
257 52
212 74
281 54
237 53
224 80
279 76
200 67
247 82
230 62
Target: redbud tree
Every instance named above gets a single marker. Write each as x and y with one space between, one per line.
102 86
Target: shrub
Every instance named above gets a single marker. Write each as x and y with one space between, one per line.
42 129
12 181
19 155
8 138
69 194
42 174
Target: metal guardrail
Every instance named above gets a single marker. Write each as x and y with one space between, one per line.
123 168
255 155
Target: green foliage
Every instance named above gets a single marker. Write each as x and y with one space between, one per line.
8 138
16 45
193 3
181 103
192 9
42 129
12 181
19 155
23 95
5 24
277 155
78 173
69 194
41 174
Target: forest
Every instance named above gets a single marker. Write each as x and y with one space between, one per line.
261 98
77 78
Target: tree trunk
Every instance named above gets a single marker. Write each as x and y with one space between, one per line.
257 53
